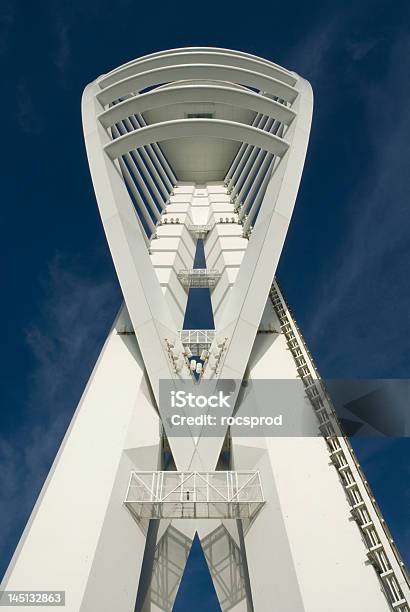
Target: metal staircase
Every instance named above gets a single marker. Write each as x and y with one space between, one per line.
381 549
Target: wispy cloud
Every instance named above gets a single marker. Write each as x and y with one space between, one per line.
7 21
309 58
64 339
28 116
74 312
358 303
370 264
359 49
64 19
62 57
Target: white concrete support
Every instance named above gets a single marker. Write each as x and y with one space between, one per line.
247 177
318 550
259 197
148 167
243 308
251 179
251 162
241 151
259 182
158 156
381 549
80 538
248 297
244 157
136 175
149 155
140 202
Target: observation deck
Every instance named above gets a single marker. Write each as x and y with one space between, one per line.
194 495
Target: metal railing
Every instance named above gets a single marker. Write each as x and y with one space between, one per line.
197 340
200 231
199 277
212 494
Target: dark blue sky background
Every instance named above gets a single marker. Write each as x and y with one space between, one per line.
345 267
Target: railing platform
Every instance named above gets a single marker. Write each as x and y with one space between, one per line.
199 277
195 495
197 340
200 231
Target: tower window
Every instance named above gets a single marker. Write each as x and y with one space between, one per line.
200 115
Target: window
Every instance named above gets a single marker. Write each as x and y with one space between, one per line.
199 115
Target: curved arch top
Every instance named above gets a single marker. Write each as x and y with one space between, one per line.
165 52
192 128
158 76
216 58
178 94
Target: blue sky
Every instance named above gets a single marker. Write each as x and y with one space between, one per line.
345 266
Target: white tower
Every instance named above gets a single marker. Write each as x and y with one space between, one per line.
196 156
